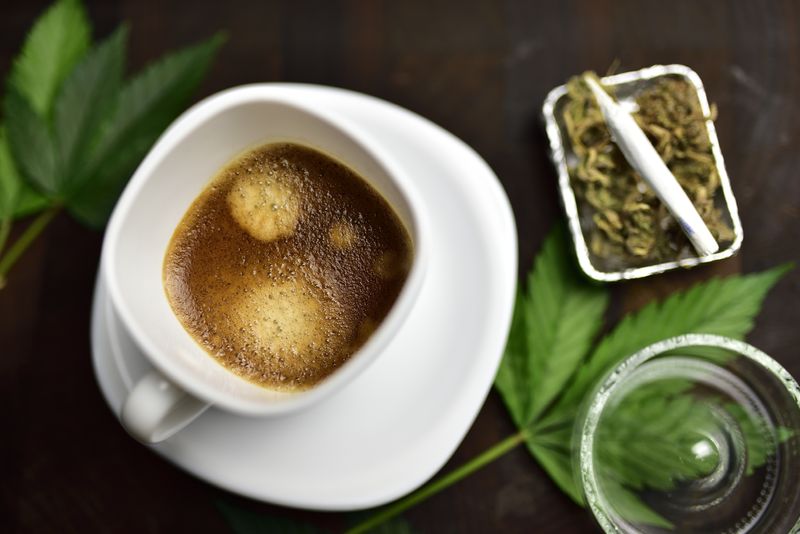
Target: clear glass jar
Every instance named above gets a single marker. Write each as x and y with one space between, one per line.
696 433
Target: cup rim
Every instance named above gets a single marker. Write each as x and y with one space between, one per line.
616 378
192 119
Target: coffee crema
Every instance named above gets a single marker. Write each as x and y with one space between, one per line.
285 264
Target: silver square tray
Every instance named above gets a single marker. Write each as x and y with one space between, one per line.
626 85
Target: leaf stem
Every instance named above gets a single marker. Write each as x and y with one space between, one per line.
24 241
436 486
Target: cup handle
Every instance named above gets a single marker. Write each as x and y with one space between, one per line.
156 409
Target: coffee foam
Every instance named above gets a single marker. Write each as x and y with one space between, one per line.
285 265
264 206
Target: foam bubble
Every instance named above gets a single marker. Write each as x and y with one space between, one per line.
267 210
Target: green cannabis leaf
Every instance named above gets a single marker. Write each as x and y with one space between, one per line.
55 44
555 322
31 144
74 129
9 188
726 307
84 100
549 368
10 182
17 198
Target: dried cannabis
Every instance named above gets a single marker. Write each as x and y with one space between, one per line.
625 224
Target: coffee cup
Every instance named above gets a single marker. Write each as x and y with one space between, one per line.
185 380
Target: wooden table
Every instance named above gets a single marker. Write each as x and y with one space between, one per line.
481 70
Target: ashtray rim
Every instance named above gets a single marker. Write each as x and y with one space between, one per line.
567 193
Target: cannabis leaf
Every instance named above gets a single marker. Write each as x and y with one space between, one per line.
53 47
725 307
84 100
555 321
31 145
74 128
512 375
10 182
548 358
554 324
17 198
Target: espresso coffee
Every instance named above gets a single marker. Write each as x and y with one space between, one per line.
285 264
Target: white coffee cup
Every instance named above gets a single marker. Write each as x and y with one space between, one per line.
186 380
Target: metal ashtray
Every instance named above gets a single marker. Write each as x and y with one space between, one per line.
627 86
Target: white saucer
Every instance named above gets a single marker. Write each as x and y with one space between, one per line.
397 423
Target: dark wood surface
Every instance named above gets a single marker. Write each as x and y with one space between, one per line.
481 70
